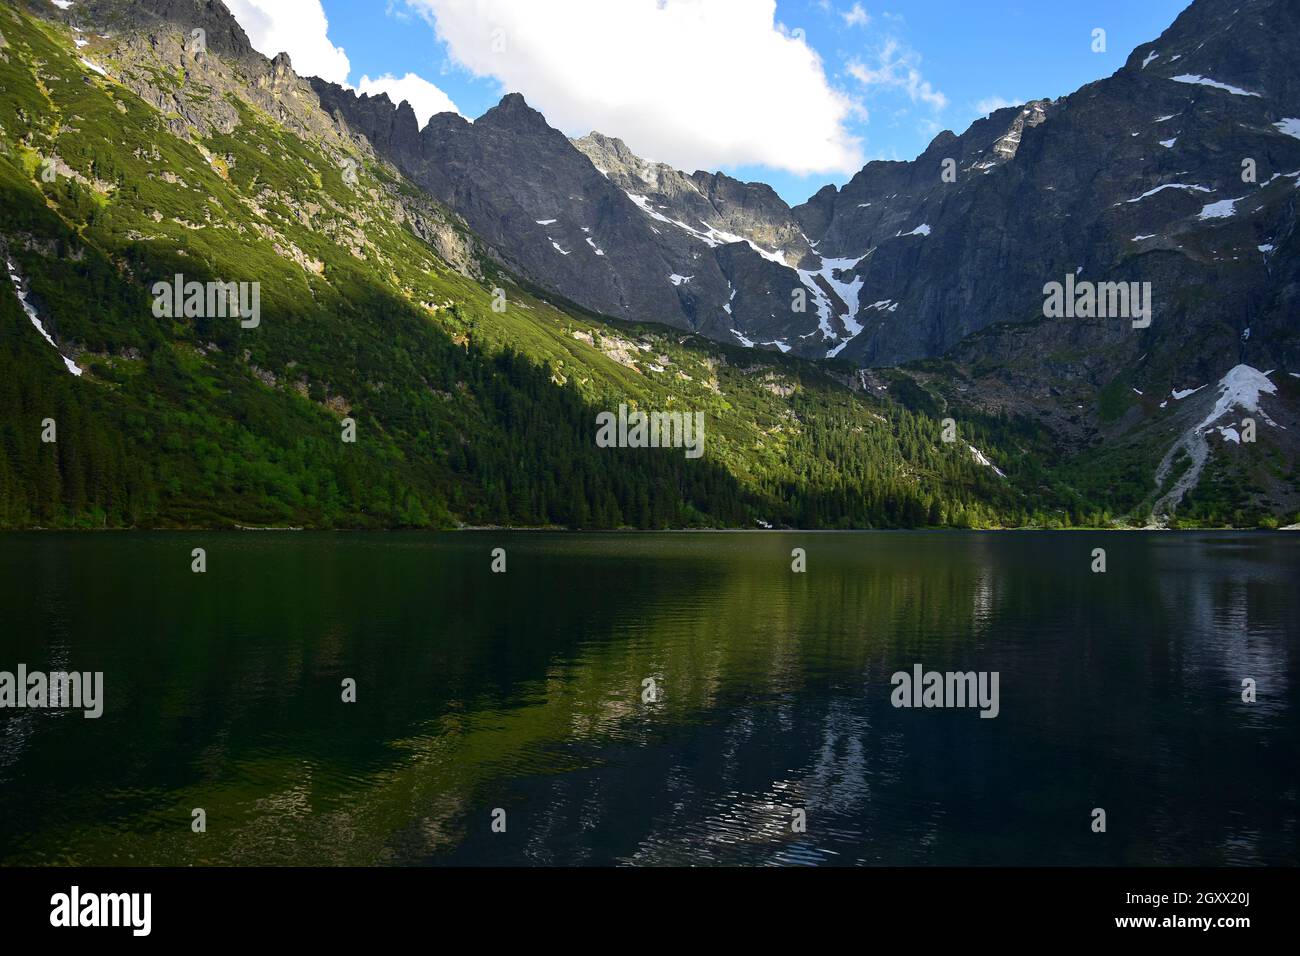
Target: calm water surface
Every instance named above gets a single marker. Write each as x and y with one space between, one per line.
523 691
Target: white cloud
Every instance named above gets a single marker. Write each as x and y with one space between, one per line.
856 16
898 67
425 98
991 104
694 83
296 27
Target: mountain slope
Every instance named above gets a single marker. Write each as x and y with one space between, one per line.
1179 171
1137 177
557 219
127 159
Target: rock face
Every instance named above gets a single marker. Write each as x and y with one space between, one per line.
1137 177
703 201
598 236
221 33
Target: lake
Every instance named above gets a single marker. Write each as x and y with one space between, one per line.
653 699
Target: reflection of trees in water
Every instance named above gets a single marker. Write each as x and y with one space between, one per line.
774 694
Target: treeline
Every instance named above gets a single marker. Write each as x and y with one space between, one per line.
262 457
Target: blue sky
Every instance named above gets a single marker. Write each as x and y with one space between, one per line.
796 97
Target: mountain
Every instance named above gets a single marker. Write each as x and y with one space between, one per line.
559 221
1180 171
130 156
1137 177
472 295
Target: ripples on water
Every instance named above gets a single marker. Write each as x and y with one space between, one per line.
523 692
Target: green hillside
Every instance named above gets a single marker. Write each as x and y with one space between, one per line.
464 414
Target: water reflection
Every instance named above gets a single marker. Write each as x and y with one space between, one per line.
524 692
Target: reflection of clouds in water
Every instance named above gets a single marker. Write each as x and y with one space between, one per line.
835 791
1241 848
982 600
18 729
1223 607
741 821
541 836
987 592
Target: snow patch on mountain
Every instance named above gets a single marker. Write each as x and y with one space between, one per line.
1221 209
1239 390
1152 192
1215 84
846 291
709 235
1291 127
17 280
980 459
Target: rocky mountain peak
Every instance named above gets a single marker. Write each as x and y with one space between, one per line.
735 210
943 140
282 67
514 113
1031 114
222 33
